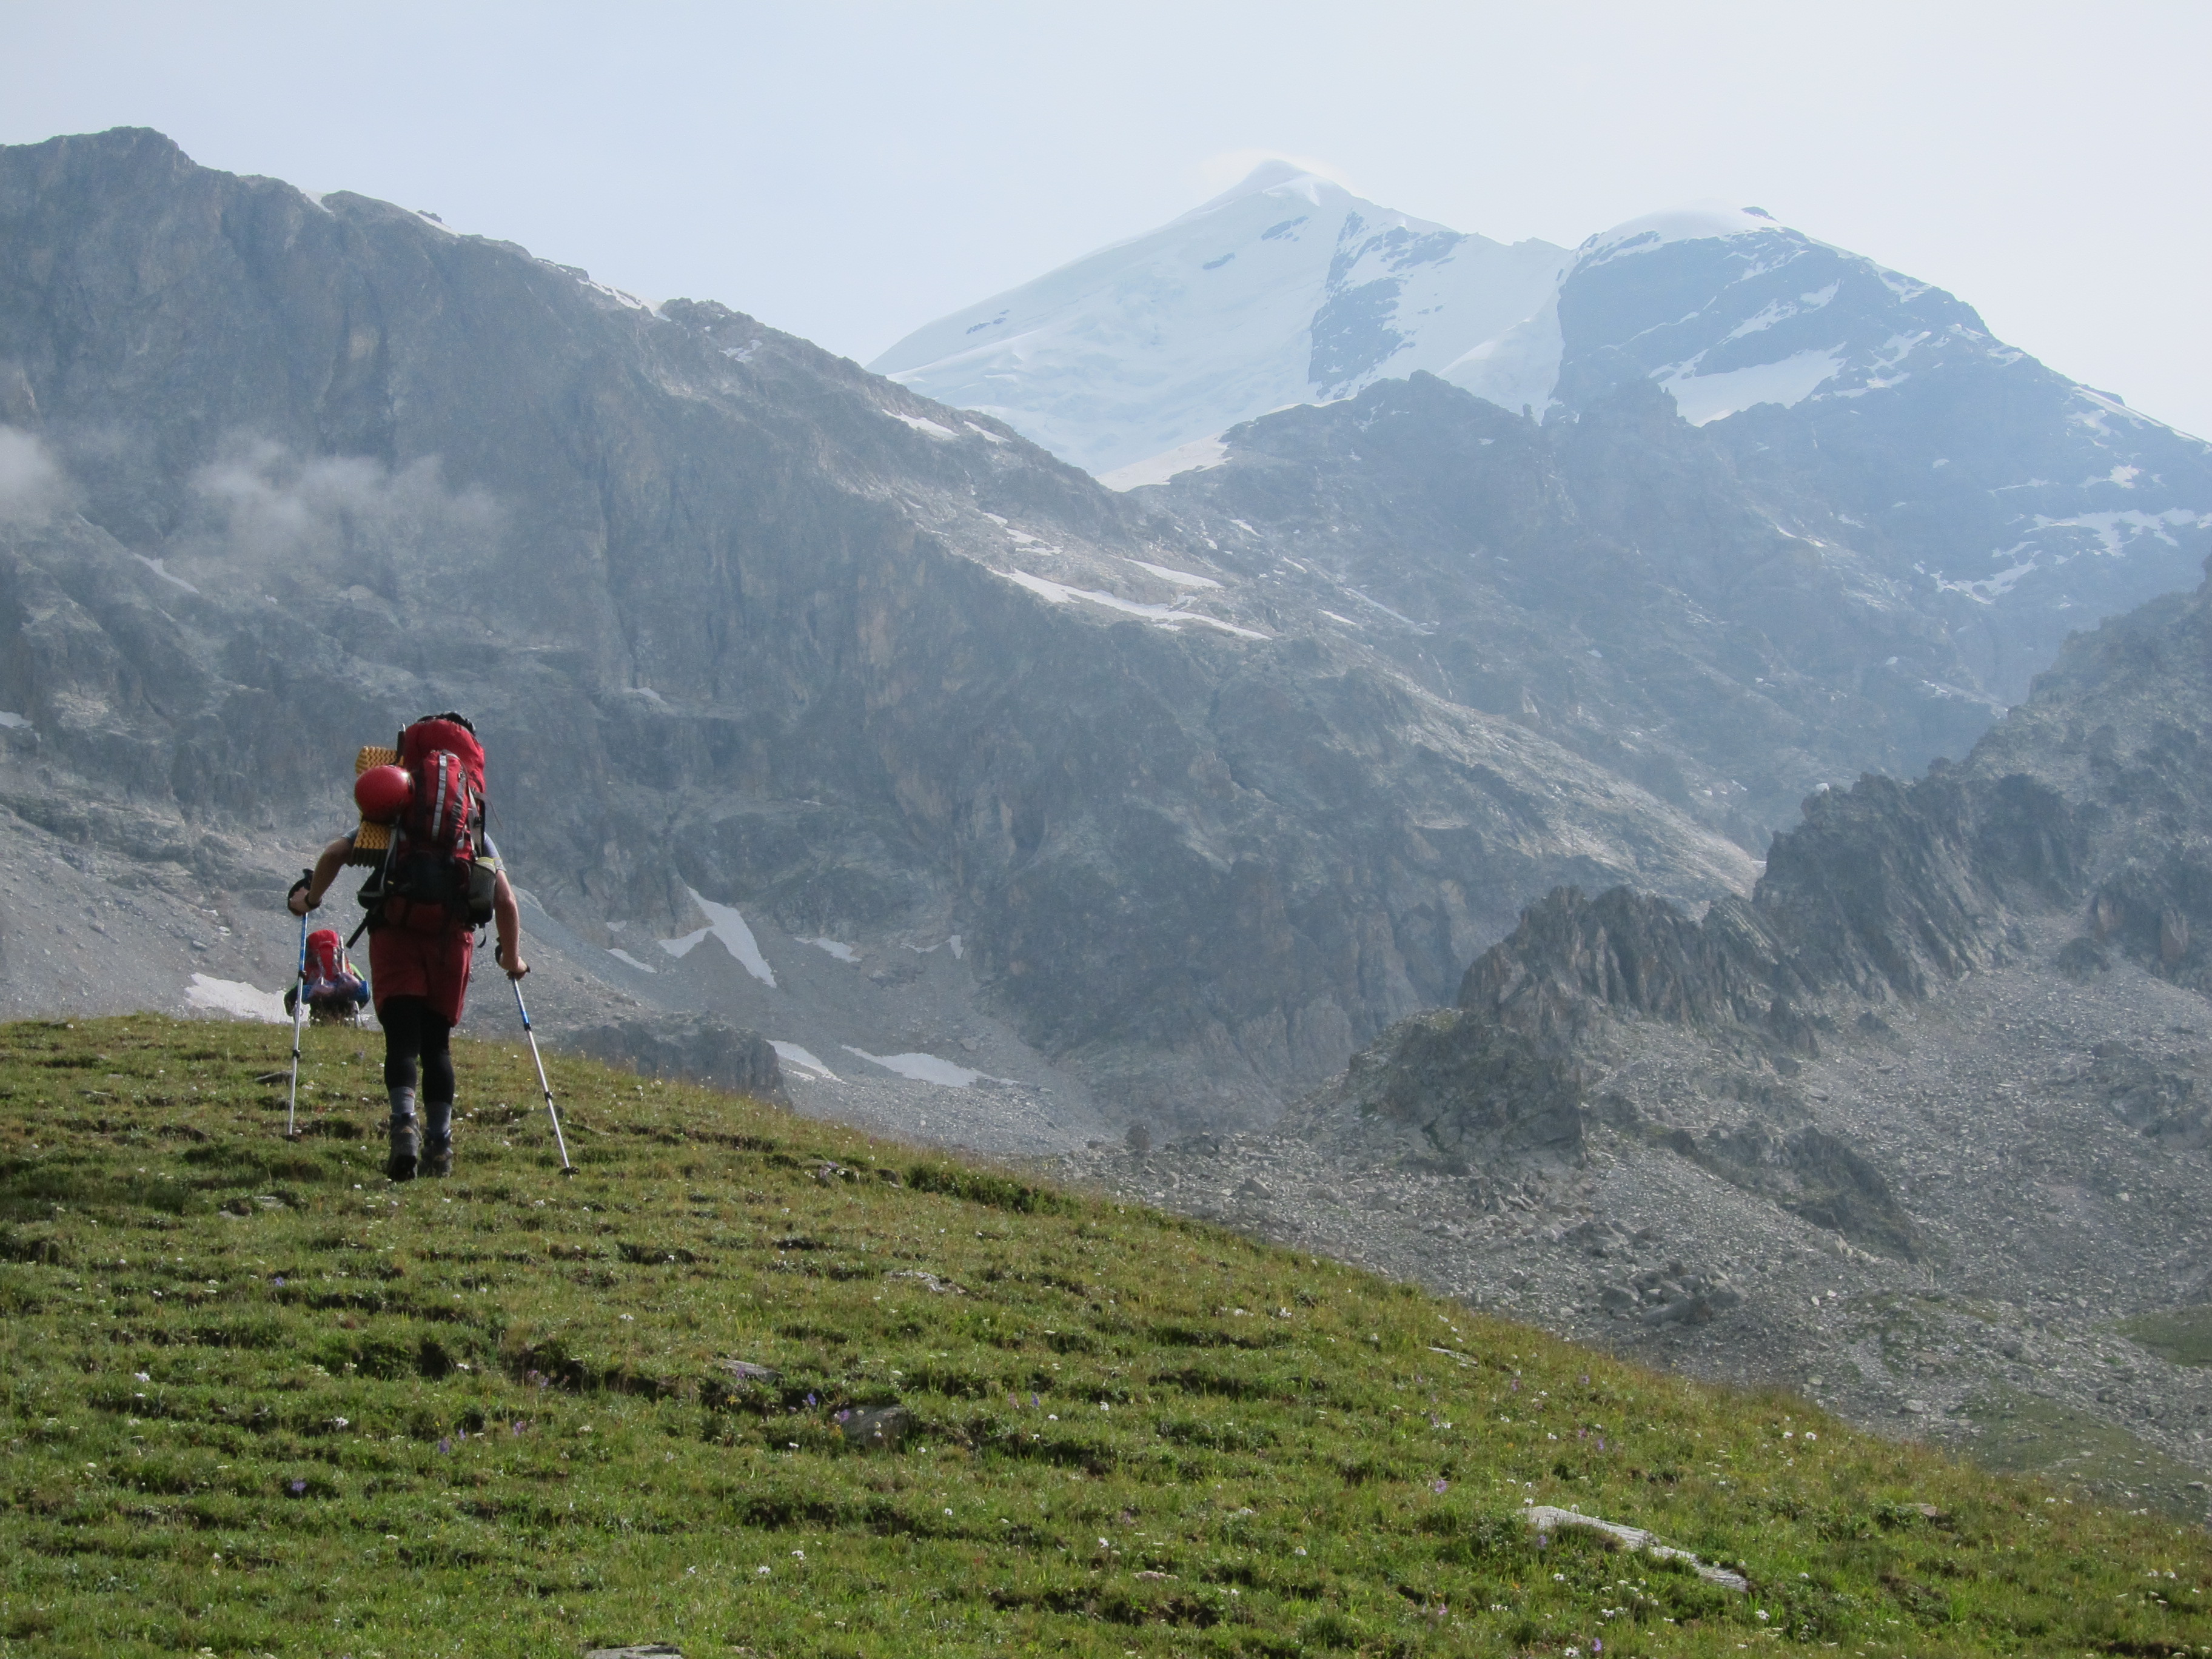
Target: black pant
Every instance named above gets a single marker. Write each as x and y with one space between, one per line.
414 1032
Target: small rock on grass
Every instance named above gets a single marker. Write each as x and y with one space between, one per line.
877 1430
650 1651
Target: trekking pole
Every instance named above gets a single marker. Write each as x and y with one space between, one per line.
299 1010
559 1139
567 1168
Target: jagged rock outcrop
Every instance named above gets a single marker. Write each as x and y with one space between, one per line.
1481 1095
1919 1128
1885 891
696 1047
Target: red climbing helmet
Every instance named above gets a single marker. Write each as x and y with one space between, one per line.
383 793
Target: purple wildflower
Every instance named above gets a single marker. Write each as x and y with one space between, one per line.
810 1399
446 1445
518 1425
298 1488
1543 1541
1034 1400
1439 1486
280 1279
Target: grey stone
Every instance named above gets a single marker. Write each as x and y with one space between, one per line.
1546 1517
696 1047
884 1429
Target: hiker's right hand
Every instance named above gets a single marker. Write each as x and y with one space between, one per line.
515 969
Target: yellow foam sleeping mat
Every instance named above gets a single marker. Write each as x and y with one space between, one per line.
371 840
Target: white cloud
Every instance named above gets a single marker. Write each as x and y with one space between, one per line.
1217 172
31 481
396 531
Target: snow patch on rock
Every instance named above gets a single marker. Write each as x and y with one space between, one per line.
236 1000
803 1060
922 1069
1703 399
725 924
1198 455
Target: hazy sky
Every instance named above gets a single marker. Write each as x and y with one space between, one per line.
849 171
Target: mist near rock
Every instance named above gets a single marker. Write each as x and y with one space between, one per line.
32 486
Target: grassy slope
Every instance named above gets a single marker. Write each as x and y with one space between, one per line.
486 1415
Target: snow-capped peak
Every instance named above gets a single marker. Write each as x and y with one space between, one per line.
1285 290
1288 288
1698 222
1286 180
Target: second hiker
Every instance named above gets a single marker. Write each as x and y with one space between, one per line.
435 881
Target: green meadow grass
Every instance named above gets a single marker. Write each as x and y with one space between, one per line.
259 1400
2184 1335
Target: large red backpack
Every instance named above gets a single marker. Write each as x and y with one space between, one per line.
335 992
326 965
438 873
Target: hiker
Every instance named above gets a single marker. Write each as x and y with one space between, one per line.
336 990
434 882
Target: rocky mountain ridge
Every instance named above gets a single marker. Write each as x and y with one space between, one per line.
1874 417
1608 581
1920 1126
1014 794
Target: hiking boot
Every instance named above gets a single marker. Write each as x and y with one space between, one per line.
401 1166
437 1137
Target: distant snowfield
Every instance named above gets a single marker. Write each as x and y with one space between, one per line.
1285 290
1136 360
1288 289
803 1060
1165 616
725 924
1196 456
1703 399
928 428
2103 535
159 568
1176 578
236 1000
923 1068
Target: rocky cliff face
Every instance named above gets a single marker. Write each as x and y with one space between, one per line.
1918 1126
1877 414
1609 581
749 632
2090 802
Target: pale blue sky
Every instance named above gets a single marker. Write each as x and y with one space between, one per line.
850 170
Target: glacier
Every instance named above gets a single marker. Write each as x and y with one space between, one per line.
1285 290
